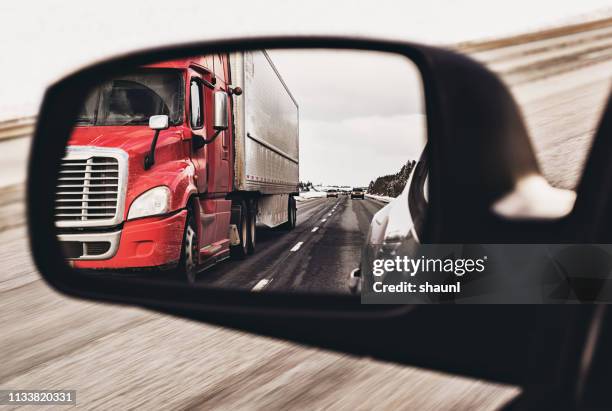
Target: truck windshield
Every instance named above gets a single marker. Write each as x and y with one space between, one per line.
131 99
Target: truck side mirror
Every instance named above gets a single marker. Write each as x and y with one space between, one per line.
221 120
156 123
159 122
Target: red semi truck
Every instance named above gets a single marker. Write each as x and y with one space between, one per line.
173 165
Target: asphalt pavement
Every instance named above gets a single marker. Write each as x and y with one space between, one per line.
316 256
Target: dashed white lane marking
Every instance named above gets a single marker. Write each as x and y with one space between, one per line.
324 220
329 215
261 284
297 246
314 229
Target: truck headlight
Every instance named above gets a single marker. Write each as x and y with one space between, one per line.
152 202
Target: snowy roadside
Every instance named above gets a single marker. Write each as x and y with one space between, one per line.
384 199
309 195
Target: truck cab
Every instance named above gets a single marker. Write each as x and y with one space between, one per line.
147 181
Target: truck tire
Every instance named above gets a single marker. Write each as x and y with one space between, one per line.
240 251
188 263
252 220
291 214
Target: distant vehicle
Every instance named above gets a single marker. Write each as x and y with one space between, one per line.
357 192
332 193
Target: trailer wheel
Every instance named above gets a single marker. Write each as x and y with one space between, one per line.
239 251
190 249
252 232
291 214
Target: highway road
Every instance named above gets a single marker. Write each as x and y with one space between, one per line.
120 357
317 256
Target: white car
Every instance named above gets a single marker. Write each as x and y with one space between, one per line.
397 225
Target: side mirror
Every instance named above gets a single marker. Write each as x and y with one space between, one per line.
156 123
221 120
159 122
477 151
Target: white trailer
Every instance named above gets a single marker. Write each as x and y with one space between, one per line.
266 136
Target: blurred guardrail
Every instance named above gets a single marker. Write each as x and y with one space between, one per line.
538 55
569 30
16 128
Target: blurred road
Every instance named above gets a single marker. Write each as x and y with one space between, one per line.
119 358
560 79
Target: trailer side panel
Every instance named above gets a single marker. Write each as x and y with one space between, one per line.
266 127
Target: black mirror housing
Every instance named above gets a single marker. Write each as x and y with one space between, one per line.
457 116
473 125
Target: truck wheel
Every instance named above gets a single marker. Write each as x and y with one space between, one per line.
291 214
252 232
190 249
239 251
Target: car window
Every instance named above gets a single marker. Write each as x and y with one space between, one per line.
131 99
197 112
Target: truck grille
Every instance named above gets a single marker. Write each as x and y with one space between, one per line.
89 191
90 246
78 249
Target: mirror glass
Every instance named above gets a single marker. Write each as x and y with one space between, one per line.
318 145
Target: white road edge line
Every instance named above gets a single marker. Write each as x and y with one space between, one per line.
297 246
314 229
261 284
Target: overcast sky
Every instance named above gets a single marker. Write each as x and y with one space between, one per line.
361 113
